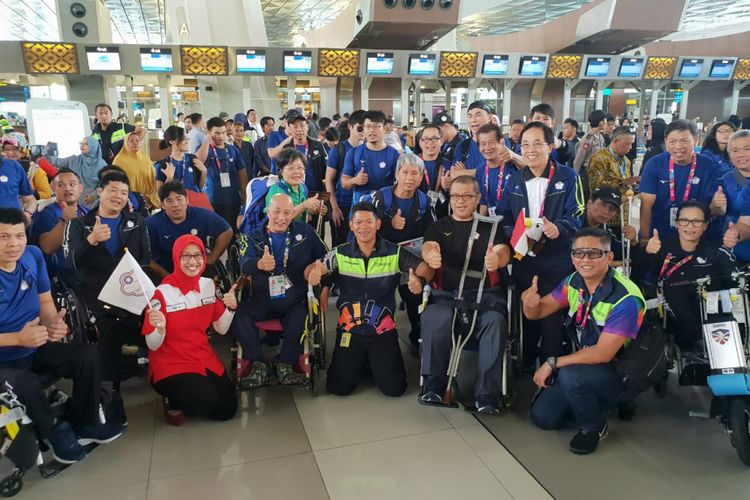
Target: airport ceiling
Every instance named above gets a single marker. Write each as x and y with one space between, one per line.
143 21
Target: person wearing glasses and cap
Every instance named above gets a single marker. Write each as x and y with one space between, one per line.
605 309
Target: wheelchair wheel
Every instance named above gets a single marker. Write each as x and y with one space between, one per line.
661 387
233 262
221 279
739 424
77 318
12 485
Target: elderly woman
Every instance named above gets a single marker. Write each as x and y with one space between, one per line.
87 165
291 168
138 168
406 213
183 367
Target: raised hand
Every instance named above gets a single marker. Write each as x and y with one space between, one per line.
33 334
731 236
414 284
491 258
361 178
432 256
550 229
630 233
69 212
312 203
157 319
530 297
100 233
445 181
169 171
316 273
719 201
398 222
266 262
654 243
199 165
230 298
57 329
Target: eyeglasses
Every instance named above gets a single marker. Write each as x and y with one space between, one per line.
372 126
463 197
533 146
724 131
430 139
588 253
690 222
187 257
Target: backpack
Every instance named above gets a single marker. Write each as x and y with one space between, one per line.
256 191
387 196
645 360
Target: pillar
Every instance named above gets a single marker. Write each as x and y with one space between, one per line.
507 94
569 86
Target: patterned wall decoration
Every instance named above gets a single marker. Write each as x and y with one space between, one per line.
51 58
742 70
338 62
458 64
564 66
660 68
203 60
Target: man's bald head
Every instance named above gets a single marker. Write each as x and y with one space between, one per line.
280 200
280 212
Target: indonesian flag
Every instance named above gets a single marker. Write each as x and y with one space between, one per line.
129 287
518 239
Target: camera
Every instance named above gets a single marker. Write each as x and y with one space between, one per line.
80 30
446 4
428 4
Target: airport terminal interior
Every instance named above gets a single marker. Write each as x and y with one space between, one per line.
634 115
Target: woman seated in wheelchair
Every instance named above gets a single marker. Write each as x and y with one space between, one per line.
678 261
183 367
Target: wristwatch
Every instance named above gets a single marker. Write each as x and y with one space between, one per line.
552 362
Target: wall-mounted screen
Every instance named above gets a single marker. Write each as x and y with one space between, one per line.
156 59
422 64
533 66
597 67
721 68
631 67
103 58
251 61
297 61
691 68
379 63
495 65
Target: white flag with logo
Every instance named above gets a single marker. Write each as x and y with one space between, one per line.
129 287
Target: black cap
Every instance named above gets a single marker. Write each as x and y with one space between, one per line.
293 115
442 118
607 195
481 105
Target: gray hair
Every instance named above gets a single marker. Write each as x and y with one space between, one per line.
621 131
740 134
410 159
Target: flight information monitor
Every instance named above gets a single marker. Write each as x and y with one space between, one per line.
597 67
691 68
251 61
495 65
533 66
721 68
422 64
103 58
379 63
297 61
156 59
631 67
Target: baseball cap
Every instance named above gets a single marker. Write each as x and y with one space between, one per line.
292 115
441 118
607 195
481 105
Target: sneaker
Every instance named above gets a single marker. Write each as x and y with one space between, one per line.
64 444
115 414
430 398
585 442
287 376
486 406
100 434
432 392
626 410
260 375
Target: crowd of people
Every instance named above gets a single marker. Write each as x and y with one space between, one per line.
278 194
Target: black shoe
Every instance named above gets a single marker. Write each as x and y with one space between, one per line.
115 413
432 391
487 406
626 410
585 442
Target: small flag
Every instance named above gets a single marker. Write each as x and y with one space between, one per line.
518 239
129 287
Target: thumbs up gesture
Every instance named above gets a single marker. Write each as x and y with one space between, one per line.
415 283
550 229
266 262
312 203
719 202
316 273
492 258
100 232
361 178
32 334
431 255
654 243
731 236
530 297
230 299
57 329
398 222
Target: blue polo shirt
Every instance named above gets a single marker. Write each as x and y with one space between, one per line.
183 172
488 188
162 232
380 167
723 164
474 158
343 196
655 180
44 222
227 159
19 298
13 184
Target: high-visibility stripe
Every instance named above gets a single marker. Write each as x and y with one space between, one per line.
376 266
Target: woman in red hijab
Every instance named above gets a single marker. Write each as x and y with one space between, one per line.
183 367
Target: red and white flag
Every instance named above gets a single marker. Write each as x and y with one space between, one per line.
518 239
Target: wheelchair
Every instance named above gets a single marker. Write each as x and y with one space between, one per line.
19 443
722 360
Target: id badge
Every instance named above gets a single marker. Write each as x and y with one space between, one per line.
224 179
491 210
277 286
441 197
434 197
346 339
672 216
287 282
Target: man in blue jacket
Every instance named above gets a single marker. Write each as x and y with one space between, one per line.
552 192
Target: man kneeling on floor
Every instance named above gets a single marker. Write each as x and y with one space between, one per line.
605 309
276 258
367 272
445 247
31 330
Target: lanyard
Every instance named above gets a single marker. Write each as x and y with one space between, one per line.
427 173
307 149
581 317
664 273
689 185
216 157
500 175
549 179
287 242
621 163
182 167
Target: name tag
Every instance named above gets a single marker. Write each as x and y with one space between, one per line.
224 179
176 307
208 300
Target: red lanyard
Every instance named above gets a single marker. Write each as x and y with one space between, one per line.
689 185
500 175
426 173
582 318
549 179
216 157
664 273
307 148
